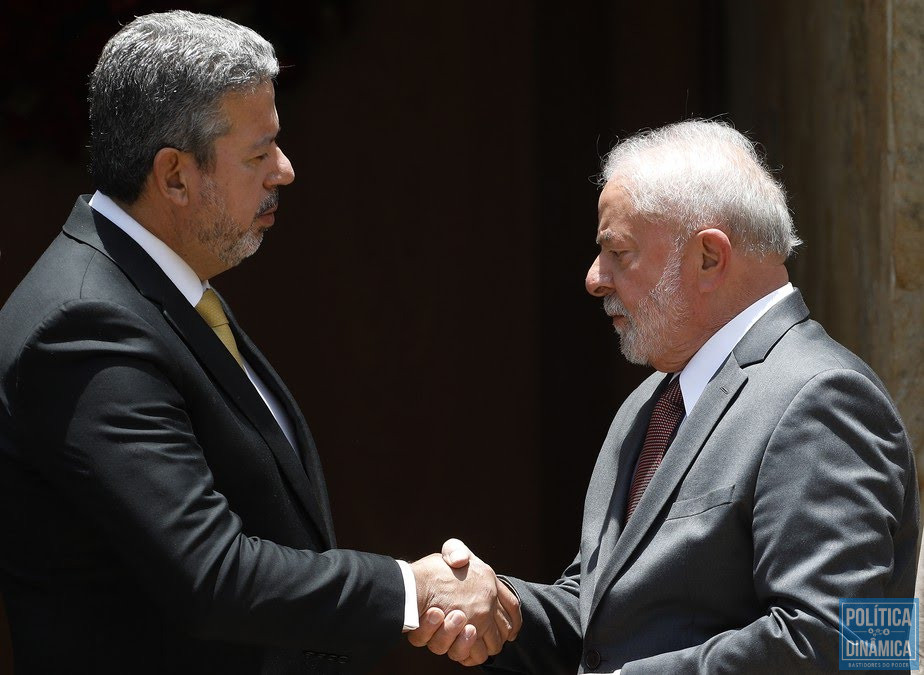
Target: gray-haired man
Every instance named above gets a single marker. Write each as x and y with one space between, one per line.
759 477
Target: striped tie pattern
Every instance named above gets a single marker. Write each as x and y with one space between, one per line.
665 417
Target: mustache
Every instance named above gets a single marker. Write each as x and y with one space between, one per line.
612 306
270 202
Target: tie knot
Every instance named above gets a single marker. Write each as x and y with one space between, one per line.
665 417
210 309
672 395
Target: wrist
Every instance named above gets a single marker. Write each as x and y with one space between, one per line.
421 579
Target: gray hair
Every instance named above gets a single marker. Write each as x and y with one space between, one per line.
159 83
698 173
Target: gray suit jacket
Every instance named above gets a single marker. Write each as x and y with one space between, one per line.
791 484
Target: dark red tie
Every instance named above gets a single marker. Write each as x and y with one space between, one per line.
665 417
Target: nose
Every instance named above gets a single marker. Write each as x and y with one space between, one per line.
284 173
598 282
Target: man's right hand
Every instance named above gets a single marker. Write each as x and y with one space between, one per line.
469 614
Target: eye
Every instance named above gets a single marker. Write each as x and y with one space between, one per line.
621 256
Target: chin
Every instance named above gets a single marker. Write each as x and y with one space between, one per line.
242 249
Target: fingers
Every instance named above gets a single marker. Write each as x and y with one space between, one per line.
456 554
430 622
503 622
468 649
473 661
479 602
458 580
491 637
510 603
445 635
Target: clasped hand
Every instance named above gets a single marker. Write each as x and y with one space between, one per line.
466 611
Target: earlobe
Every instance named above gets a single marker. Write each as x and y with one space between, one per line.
170 173
715 253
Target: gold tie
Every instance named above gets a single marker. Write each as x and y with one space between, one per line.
210 309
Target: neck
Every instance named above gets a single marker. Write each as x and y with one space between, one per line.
718 308
762 280
161 221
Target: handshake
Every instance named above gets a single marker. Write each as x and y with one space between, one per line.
466 612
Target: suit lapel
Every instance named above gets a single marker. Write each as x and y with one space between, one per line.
690 438
692 435
95 230
218 361
315 496
609 486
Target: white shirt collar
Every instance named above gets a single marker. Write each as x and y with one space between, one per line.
187 281
176 269
704 364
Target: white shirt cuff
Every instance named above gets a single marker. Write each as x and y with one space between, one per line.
411 618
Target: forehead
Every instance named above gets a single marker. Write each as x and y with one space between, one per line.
616 215
251 114
619 223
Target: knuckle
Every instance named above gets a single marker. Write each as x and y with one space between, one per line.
438 649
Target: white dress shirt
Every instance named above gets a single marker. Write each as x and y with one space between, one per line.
706 362
192 288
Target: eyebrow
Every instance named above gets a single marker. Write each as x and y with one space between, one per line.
266 140
616 240
605 237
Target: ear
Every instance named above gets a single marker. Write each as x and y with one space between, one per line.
714 252
171 174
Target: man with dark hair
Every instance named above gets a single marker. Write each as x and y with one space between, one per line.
759 477
162 502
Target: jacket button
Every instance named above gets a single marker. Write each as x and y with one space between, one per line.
592 659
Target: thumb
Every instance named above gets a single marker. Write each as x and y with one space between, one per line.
456 554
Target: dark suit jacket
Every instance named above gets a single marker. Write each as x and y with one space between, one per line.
790 485
153 516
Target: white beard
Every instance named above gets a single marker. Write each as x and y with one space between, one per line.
647 333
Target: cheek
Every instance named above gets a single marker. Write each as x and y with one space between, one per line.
632 290
244 213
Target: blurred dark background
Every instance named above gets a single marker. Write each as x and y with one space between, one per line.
422 290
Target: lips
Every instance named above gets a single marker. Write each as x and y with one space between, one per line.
269 204
613 307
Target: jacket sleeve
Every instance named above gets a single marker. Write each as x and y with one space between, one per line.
550 639
834 516
103 420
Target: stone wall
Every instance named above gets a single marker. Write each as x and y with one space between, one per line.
835 91
906 166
